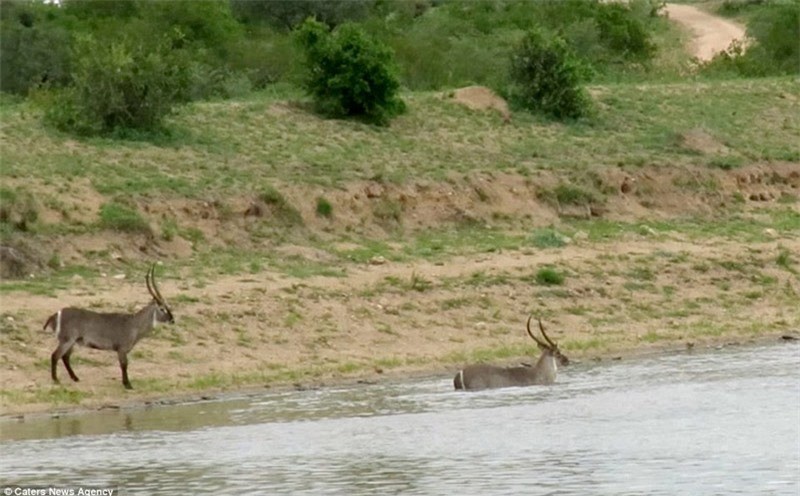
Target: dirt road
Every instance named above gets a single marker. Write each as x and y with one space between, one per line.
710 34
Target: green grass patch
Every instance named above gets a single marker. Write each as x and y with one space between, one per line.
118 217
549 276
547 238
324 208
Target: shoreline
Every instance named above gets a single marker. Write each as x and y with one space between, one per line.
40 411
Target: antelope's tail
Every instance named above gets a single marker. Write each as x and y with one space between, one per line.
51 322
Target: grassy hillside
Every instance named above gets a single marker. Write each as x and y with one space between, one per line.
300 249
237 146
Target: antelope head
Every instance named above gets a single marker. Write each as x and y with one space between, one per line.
548 346
163 312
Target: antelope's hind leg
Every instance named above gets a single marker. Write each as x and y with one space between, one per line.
65 359
62 351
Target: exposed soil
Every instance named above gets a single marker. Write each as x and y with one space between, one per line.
482 98
710 34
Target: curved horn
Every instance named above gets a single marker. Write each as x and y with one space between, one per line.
541 328
538 341
157 294
147 281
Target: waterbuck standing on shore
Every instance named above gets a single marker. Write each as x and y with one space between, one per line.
106 331
490 376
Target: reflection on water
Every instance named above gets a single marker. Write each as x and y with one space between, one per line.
684 424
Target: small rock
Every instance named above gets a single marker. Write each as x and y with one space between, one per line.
627 185
580 236
772 233
377 260
10 318
119 276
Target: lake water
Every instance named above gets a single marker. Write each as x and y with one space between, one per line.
713 423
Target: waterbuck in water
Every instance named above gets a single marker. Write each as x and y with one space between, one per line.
490 376
106 331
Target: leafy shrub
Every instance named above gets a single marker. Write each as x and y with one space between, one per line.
350 74
18 208
35 50
624 33
205 26
288 14
545 77
775 28
124 84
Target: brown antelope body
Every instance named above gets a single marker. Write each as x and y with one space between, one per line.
474 377
117 332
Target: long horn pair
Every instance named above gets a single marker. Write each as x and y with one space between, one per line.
150 279
541 328
538 341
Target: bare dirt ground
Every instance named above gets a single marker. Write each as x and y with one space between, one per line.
710 34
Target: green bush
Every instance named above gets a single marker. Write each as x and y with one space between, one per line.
288 14
775 28
350 74
546 77
123 84
35 50
623 33
18 208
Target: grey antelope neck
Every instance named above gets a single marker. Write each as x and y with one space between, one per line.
482 376
117 332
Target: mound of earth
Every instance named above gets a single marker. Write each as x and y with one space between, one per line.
482 98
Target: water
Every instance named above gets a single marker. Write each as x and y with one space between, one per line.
719 423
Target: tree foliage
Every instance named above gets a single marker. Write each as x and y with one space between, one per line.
289 14
127 83
349 73
774 31
35 48
546 77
